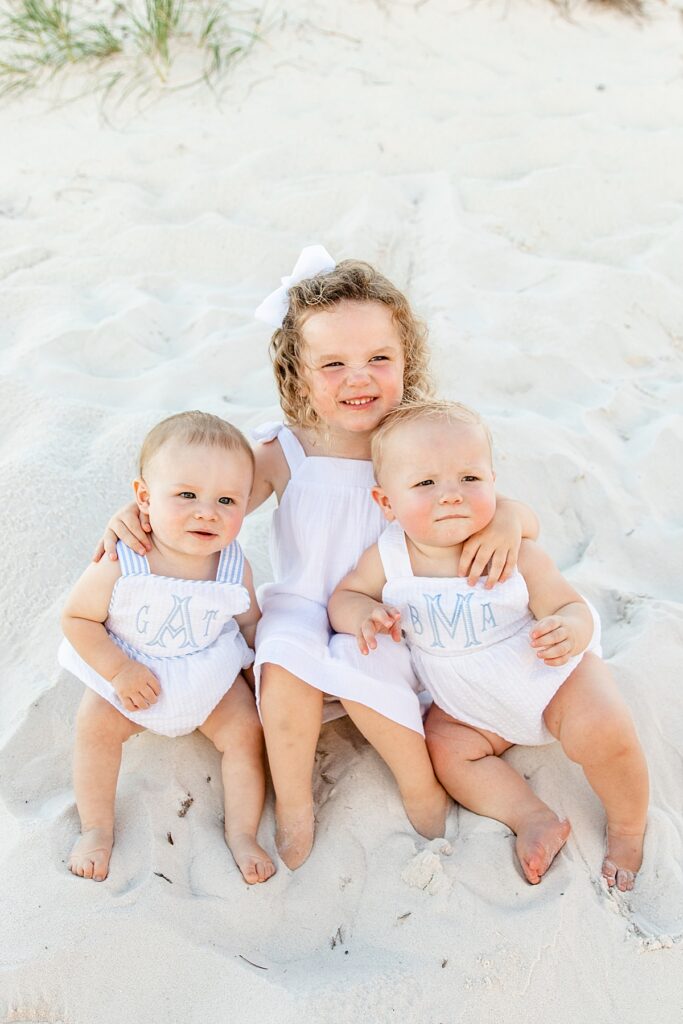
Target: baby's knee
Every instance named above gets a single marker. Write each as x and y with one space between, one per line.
449 741
97 719
601 733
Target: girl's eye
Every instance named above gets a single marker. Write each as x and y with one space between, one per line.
376 358
332 366
425 483
187 494
226 501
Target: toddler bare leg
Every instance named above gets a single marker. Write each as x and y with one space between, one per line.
467 762
234 729
405 753
291 712
592 722
101 731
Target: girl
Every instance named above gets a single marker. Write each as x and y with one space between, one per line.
346 350
519 665
156 639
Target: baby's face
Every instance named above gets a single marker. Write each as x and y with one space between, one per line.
354 365
196 496
437 480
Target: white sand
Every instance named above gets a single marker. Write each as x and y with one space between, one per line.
521 177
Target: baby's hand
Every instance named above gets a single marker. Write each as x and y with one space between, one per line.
554 639
131 526
382 620
137 687
496 546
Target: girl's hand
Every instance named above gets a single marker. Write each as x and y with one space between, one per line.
496 546
554 639
131 526
137 687
382 620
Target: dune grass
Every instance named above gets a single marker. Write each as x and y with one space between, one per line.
125 43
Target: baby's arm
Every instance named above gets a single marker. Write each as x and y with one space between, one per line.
356 604
497 545
247 620
83 625
565 624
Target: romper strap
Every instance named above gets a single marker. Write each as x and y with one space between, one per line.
132 564
230 564
394 553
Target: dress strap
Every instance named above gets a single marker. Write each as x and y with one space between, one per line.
394 553
230 564
291 446
132 564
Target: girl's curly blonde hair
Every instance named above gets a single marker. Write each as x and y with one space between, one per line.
355 281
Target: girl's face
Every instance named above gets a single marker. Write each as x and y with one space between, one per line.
436 479
353 365
196 496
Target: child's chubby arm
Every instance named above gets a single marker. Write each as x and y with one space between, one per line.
497 545
82 622
564 624
356 604
247 620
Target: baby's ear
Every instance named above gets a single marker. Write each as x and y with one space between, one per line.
141 494
384 503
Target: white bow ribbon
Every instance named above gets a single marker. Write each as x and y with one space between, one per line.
314 259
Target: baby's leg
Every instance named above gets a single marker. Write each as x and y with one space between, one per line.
234 728
590 719
467 762
291 712
405 753
101 731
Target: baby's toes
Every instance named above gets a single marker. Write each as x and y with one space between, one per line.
609 872
625 880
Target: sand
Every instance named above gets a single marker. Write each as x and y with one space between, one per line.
519 175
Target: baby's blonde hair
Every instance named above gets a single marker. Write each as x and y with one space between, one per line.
194 428
429 409
354 281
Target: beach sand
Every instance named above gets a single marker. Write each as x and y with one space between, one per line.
519 175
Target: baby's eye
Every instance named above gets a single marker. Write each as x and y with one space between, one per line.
187 494
425 483
469 479
226 501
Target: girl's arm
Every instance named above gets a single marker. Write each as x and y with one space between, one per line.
83 625
497 545
356 605
565 624
130 525
247 620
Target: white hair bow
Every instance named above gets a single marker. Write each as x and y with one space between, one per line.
314 259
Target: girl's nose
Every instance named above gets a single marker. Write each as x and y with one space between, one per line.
357 375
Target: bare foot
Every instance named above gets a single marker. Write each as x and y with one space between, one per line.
539 840
622 860
90 855
250 858
294 834
428 817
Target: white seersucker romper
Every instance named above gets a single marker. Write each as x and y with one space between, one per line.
323 524
182 630
471 647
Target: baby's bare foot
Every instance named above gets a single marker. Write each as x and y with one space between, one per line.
428 816
539 840
90 855
250 858
623 859
294 834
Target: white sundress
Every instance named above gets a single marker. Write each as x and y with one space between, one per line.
323 524
471 647
182 630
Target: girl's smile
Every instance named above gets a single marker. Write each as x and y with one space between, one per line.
355 365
